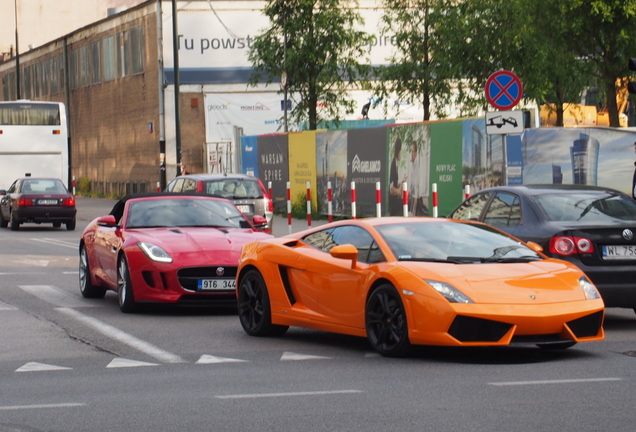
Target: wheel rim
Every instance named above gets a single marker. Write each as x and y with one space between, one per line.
83 270
386 322
251 302
122 282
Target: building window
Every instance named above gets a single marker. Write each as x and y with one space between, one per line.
137 51
108 58
95 63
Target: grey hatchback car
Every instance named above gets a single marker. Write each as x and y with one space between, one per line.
247 192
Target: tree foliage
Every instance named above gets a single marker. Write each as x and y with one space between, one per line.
322 49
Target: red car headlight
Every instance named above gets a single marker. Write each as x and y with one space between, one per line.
154 252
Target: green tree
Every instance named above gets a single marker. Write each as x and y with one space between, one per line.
605 35
417 71
320 46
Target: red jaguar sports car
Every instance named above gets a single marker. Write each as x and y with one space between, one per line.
166 248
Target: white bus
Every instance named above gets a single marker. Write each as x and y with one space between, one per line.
33 141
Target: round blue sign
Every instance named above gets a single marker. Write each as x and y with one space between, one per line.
503 90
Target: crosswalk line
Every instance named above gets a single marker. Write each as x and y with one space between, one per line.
37 367
210 359
291 356
124 363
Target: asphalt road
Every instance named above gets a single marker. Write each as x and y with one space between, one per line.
74 364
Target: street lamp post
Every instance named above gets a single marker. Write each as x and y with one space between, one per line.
17 52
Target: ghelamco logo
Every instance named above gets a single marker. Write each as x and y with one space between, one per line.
365 166
257 107
217 107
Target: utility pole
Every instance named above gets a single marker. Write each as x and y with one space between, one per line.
17 53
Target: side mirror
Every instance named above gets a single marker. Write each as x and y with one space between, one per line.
534 246
107 221
259 221
347 252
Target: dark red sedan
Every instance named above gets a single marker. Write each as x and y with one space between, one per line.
166 248
37 200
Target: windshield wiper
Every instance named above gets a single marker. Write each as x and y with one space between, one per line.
486 260
435 260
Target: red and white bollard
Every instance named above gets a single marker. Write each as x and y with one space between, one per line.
158 186
405 199
353 200
308 204
289 208
466 191
74 184
378 200
435 200
269 191
329 202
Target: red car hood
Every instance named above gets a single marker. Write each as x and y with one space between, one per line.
547 281
218 246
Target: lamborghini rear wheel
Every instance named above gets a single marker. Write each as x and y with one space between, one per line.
254 309
386 325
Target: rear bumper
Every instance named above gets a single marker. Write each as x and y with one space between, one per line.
45 214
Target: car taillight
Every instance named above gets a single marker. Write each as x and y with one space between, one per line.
68 202
567 245
23 202
199 186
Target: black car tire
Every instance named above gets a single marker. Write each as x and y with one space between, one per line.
13 222
125 292
87 289
385 321
3 222
70 226
254 308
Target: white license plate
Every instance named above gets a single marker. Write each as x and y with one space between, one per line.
216 284
243 208
619 252
47 202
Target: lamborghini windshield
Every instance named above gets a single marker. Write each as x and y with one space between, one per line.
454 242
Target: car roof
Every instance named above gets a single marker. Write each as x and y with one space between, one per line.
538 189
207 176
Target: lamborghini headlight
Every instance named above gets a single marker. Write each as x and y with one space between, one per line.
589 289
155 253
449 292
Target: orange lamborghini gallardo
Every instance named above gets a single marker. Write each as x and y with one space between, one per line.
425 281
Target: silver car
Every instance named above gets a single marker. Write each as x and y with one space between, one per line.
247 192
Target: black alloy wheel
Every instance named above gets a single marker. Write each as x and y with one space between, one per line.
385 320
254 309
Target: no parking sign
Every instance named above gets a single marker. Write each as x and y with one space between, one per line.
503 90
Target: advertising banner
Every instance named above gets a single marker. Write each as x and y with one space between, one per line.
446 163
366 155
302 168
273 167
331 167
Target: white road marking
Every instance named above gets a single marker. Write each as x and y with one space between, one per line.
55 296
210 359
37 367
57 242
123 337
123 363
561 381
290 356
41 406
268 395
7 307
32 262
